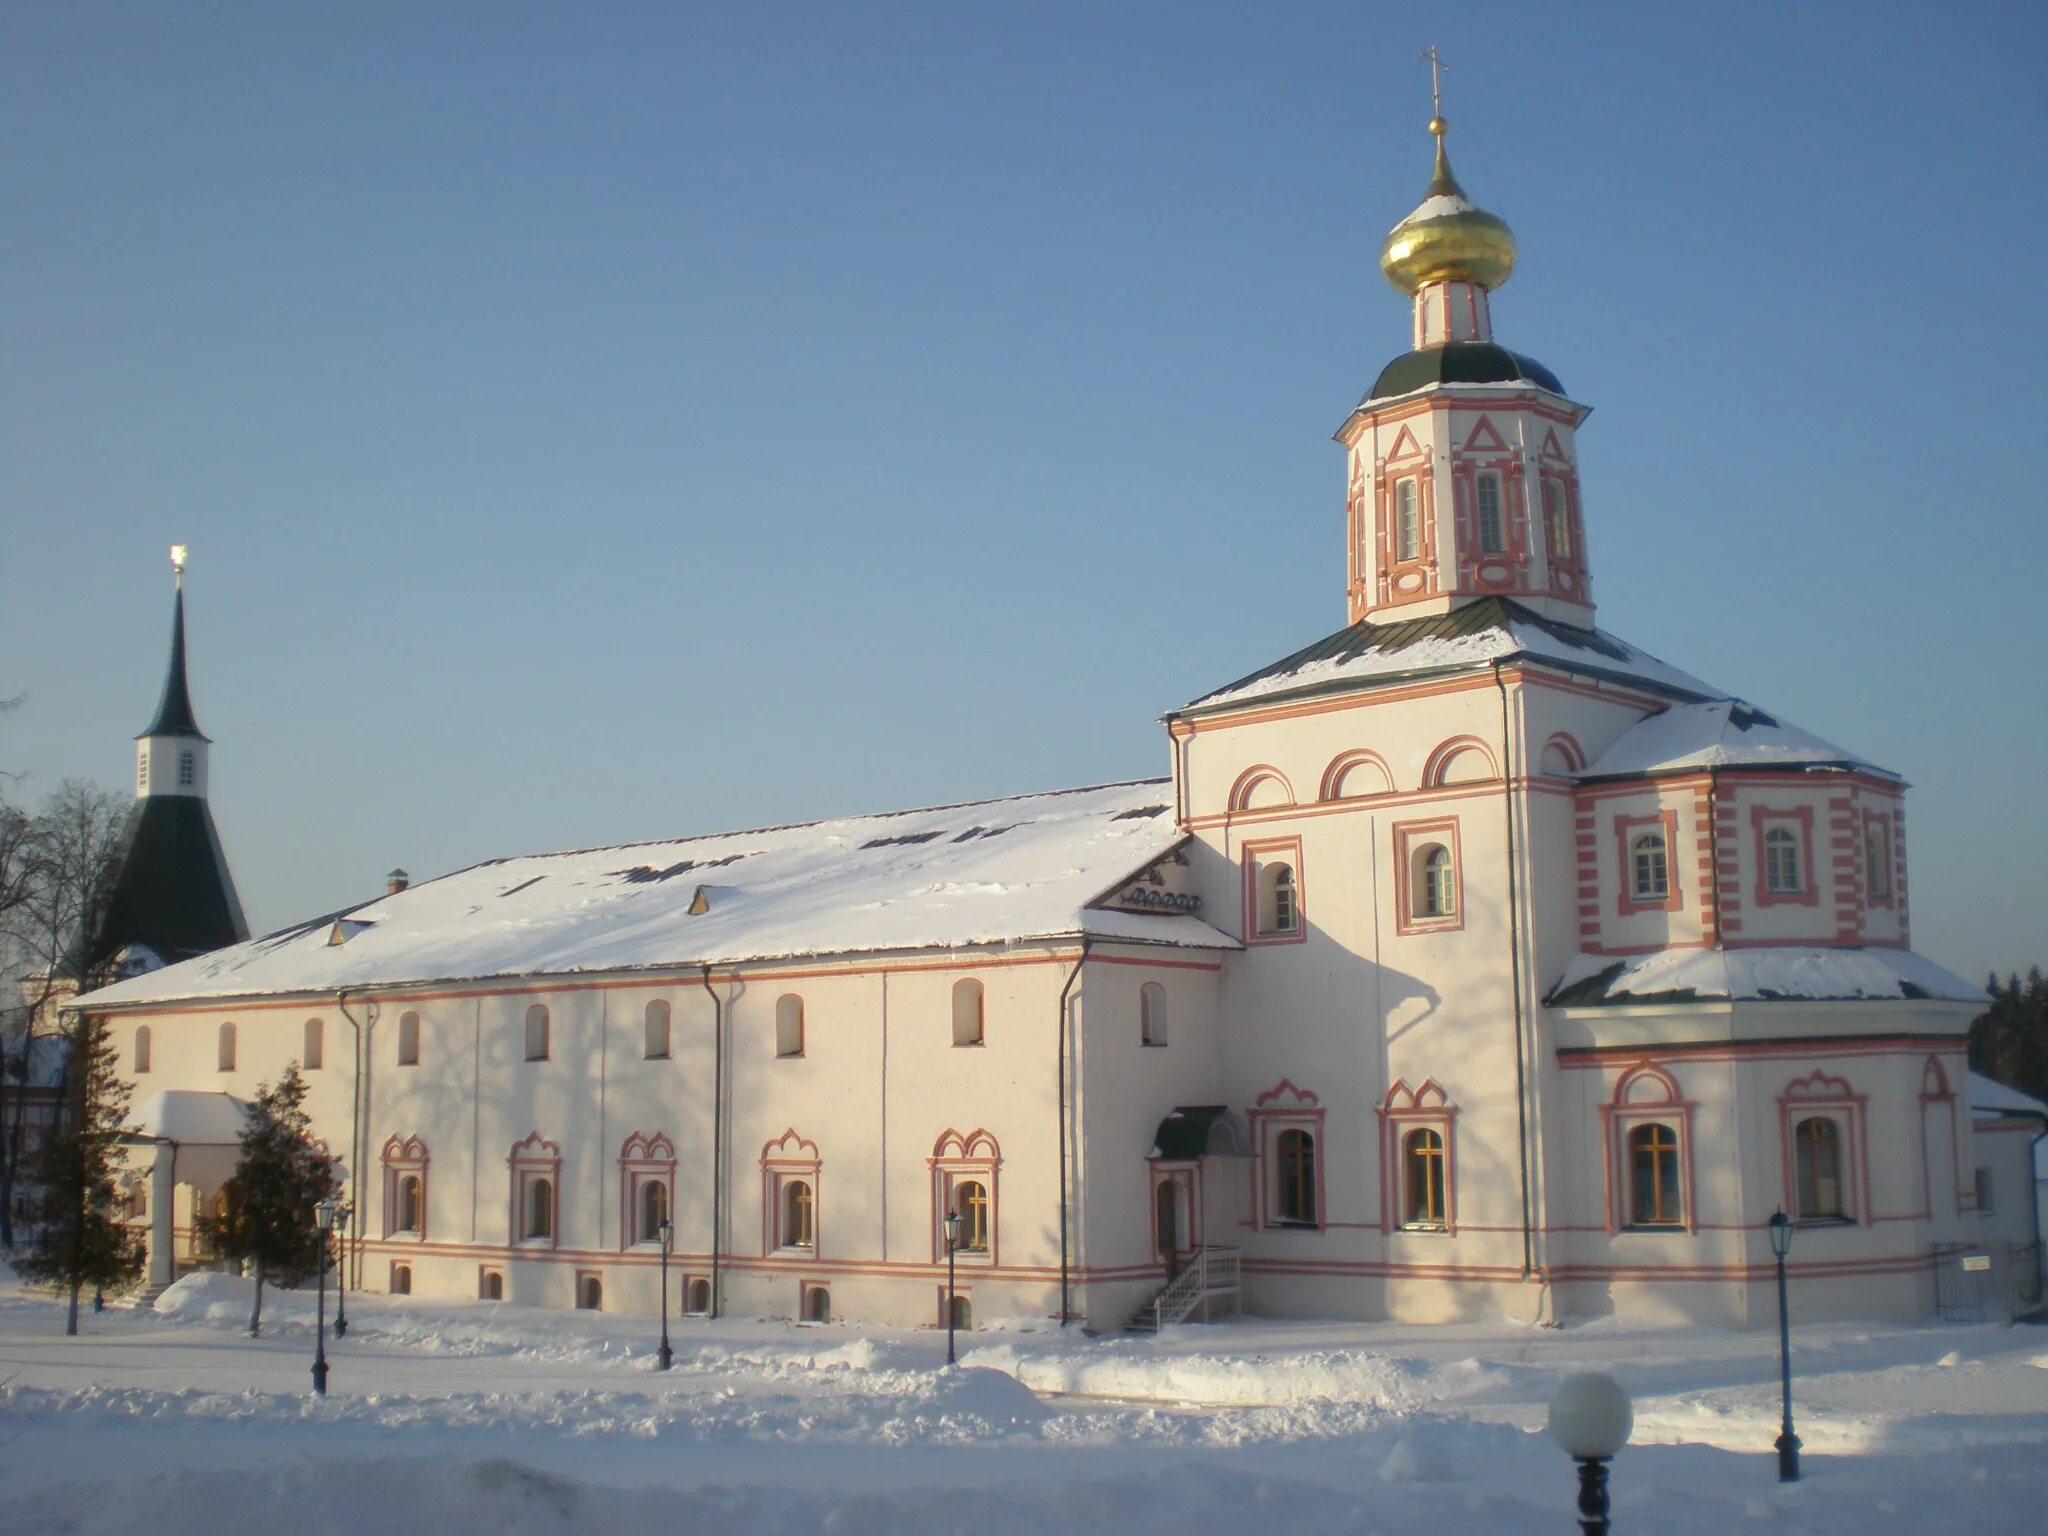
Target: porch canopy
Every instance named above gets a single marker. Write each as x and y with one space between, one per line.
1195 1131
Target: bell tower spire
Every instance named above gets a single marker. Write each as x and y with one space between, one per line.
172 896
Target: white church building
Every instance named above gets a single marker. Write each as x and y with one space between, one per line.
1468 962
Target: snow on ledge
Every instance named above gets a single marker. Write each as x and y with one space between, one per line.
1777 974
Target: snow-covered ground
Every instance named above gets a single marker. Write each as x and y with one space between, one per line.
449 1417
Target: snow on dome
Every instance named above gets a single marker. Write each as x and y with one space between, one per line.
988 871
1775 974
1721 733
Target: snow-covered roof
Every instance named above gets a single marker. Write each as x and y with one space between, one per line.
190 1118
1718 733
1771 974
1477 635
988 871
1993 1100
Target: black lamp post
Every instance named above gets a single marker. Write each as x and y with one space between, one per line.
1591 1417
952 1243
324 1214
667 1356
1788 1443
341 1272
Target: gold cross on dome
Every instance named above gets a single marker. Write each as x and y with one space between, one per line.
1436 86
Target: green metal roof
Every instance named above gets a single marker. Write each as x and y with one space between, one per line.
1459 362
1195 1131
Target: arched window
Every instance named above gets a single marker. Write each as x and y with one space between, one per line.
654 1046
1651 866
490 1285
1422 1161
537 1033
963 1314
142 1048
411 1204
589 1293
1653 1176
817 1305
226 1049
1436 886
187 769
1492 539
1279 897
798 1230
540 1208
653 1210
789 1023
408 1039
1818 1146
1782 874
1296 1202
1557 519
1407 522
970 1198
310 1057
967 1013
401 1279
697 1298
1152 1014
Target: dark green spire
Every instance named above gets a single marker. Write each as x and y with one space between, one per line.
174 710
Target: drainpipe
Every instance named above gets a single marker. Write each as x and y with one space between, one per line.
1072 976
717 1125
1515 978
357 1104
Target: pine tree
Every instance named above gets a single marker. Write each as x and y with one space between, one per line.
272 1198
2009 1040
80 1239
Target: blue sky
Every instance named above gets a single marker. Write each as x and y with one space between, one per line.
603 422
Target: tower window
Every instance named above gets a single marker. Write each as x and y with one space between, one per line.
408 1039
655 1030
1492 538
313 1055
537 1033
187 768
1782 874
1557 519
1649 861
225 1050
1877 858
141 1048
1407 522
142 774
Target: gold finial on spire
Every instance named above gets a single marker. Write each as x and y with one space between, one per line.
178 564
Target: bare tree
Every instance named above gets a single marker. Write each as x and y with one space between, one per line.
57 871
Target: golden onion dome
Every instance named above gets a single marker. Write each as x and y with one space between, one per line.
1449 238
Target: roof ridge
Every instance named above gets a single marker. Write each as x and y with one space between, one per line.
786 826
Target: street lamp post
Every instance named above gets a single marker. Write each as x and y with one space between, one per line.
952 1243
341 1272
1788 1443
1591 1418
324 1214
667 1355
